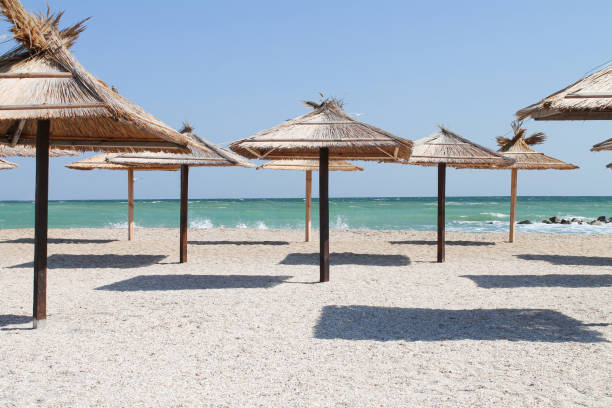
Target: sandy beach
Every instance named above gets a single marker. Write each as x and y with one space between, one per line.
245 323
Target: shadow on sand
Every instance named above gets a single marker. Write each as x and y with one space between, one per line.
271 243
393 323
61 241
541 281
457 243
9 320
194 282
347 258
569 259
69 261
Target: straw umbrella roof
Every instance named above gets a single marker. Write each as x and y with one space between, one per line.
41 79
448 147
30 151
309 165
202 153
609 166
605 145
589 98
103 162
6 165
326 126
518 148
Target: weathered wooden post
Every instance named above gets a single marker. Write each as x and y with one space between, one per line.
184 206
130 204
441 210
41 223
324 213
513 204
308 223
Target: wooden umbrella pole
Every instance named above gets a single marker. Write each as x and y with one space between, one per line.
308 204
184 203
130 204
513 205
441 210
324 213
41 223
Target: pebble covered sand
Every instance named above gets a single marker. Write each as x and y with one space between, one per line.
245 324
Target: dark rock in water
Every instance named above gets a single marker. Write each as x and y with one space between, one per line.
565 222
524 222
574 220
609 220
546 222
601 218
580 222
595 222
555 220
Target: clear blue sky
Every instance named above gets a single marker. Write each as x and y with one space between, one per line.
234 68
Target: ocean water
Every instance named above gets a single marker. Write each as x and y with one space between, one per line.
468 214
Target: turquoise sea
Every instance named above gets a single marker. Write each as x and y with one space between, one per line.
470 214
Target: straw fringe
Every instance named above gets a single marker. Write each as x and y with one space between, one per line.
6 165
103 162
30 151
326 126
605 145
308 165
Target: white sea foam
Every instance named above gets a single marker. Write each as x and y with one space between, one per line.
241 225
340 223
201 223
261 225
497 215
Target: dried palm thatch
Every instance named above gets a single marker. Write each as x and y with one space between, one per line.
6 165
103 162
448 147
525 158
202 153
589 98
605 145
30 151
308 165
41 79
327 126
609 166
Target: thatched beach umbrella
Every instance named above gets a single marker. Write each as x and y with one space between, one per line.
589 98
6 165
605 145
202 154
102 162
309 166
445 148
609 166
325 133
525 158
47 98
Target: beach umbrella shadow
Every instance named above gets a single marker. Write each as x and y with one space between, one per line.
347 258
457 243
69 261
395 323
569 259
537 281
271 243
194 282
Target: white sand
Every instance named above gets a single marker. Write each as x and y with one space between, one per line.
246 325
